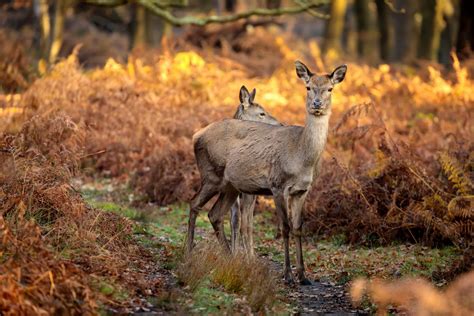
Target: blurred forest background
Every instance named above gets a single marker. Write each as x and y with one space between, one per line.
379 31
99 100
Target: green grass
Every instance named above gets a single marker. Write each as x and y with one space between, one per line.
110 289
343 263
333 260
209 300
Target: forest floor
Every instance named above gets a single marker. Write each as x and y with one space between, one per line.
331 263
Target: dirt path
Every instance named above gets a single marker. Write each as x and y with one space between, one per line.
319 298
162 230
323 298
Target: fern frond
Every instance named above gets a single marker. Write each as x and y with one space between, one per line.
461 207
436 204
354 111
455 174
464 228
381 161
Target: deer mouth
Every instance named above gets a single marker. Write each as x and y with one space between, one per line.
318 112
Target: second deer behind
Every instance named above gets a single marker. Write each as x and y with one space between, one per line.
235 156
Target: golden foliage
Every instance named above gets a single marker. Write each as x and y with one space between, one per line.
461 207
381 172
43 220
455 174
417 296
237 273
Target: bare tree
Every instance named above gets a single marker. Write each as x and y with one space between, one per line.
162 11
146 29
431 26
58 29
407 34
385 30
465 38
449 32
334 28
41 9
363 19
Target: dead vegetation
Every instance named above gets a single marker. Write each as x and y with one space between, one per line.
54 246
417 296
237 273
398 165
14 64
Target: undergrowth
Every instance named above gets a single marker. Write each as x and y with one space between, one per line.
398 164
417 296
54 246
237 273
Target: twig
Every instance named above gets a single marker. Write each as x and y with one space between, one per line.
392 7
159 10
93 154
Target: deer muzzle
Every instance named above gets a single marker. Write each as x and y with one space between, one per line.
317 104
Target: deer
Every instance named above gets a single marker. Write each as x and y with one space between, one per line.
235 156
243 209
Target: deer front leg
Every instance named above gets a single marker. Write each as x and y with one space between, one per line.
218 211
235 220
247 207
296 208
205 193
281 207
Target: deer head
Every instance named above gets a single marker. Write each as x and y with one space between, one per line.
318 98
249 110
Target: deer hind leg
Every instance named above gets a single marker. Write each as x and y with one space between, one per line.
205 193
296 207
218 211
281 203
247 207
235 220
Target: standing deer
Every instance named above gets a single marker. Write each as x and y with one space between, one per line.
243 208
236 156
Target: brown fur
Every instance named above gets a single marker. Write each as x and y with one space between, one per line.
240 156
243 208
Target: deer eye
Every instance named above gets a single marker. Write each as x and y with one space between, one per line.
262 114
330 89
308 88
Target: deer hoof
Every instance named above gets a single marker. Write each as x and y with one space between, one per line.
305 281
289 280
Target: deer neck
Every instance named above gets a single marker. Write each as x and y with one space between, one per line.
314 138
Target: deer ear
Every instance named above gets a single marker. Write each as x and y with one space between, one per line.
302 71
338 74
252 95
244 96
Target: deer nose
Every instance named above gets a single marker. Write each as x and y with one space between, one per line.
317 104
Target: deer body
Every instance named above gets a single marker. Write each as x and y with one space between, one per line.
243 208
241 156
255 164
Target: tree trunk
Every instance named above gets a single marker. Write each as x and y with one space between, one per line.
448 34
230 5
363 18
465 38
334 28
156 29
44 26
58 29
138 27
273 4
385 30
147 29
407 33
431 26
